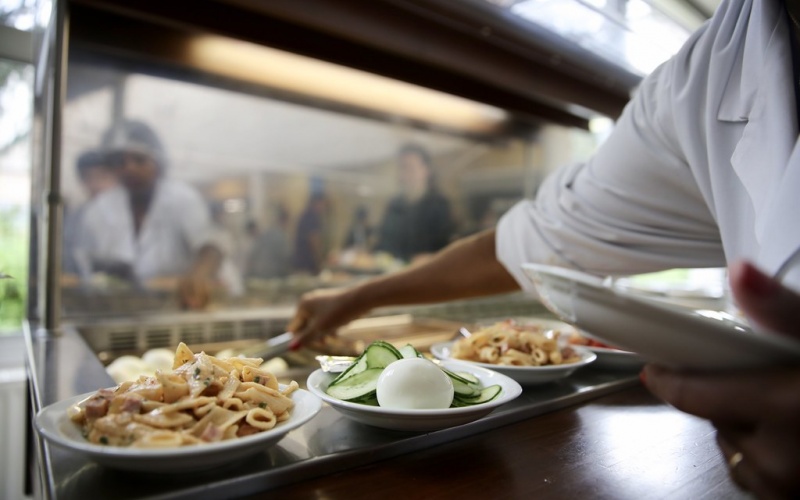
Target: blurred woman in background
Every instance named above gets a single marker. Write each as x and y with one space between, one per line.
418 220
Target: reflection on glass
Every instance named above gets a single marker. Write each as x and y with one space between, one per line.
631 33
179 194
19 14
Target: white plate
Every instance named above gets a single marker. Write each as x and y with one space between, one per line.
419 420
525 375
54 425
616 359
607 358
671 335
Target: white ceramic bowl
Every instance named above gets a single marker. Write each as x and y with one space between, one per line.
525 375
668 334
419 420
54 425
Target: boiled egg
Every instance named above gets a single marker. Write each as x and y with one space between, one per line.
128 368
414 384
159 359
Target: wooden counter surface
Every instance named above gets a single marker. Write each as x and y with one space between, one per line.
626 445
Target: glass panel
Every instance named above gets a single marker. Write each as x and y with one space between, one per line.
295 194
633 34
16 109
19 14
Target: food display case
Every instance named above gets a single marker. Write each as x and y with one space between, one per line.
261 112
285 125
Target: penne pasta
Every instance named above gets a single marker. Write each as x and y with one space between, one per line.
511 344
204 399
261 418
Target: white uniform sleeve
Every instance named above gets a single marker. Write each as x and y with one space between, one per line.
635 207
195 220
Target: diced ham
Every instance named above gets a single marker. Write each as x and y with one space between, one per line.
246 429
211 433
132 403
96 407
106 393
213 389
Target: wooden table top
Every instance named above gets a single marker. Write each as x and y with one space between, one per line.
626 445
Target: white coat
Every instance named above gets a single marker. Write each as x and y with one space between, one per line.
177 225
702 169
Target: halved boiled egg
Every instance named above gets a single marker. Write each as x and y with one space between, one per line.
414 384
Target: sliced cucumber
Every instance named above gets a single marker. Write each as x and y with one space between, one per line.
359 382
408 351
360 386
371 400
472 379
457 377
484 396
358 366
464 390
381 354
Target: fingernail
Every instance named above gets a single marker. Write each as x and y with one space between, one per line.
294 345
643 377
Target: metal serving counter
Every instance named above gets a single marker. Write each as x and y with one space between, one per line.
62 366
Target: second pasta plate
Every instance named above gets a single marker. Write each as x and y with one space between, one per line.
55 426
524 375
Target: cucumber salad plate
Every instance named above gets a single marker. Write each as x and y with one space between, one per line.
356 392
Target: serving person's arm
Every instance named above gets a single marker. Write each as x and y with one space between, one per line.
756 412
466 268
197 283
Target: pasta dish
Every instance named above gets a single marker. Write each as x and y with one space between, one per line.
511 344
203 399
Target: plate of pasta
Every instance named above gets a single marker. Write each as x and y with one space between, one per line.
528 351
205 413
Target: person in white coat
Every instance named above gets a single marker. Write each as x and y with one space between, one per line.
702 169
150 229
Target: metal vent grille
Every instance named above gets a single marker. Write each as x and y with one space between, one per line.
253 330
223 332
161 337
122 340
192 334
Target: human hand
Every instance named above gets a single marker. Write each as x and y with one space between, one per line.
756 412
194 291
321 312
194 288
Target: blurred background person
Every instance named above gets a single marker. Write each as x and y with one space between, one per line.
230 275
418 220
150 230
360 235
309 246
271 253
96 176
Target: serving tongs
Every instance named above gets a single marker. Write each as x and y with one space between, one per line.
269 349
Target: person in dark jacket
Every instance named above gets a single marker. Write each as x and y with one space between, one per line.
418 220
